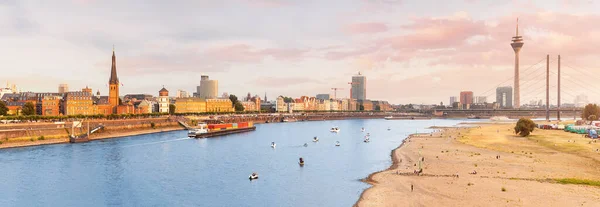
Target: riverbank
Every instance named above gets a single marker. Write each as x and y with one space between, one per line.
511 170
27 142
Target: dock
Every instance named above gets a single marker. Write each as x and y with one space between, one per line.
223 132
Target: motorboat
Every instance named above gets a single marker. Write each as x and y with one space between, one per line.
335 129
316 139
337 143
368 134
301 162
305 144
389 129
273 144
253 176
367 140
362 129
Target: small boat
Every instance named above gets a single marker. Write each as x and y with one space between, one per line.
389 129
335 129
362 129
368 134
273 144
367 140
305 144
253 176
337 143
316 139
301 162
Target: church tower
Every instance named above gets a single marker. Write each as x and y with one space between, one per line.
113 84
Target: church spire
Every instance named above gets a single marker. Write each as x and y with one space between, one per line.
113 70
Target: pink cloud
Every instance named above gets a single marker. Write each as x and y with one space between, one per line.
365 28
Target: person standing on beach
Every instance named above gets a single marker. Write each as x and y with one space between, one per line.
411 187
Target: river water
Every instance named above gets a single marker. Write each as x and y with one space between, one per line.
169 169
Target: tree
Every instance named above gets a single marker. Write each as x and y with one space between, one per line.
28 109
524 127
3 109
172 108
361 108
591 112
238 106
377 108
233 100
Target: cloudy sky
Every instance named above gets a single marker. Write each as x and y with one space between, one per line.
411 51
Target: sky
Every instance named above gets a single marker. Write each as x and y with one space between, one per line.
410 51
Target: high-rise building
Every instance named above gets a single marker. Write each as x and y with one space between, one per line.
453 99
208 88
466 97
359 87
480 99
581 100
323 96
517 44
163 101
182 94
63 88
113 85
504 97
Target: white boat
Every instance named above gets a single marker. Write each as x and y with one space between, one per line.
202 129
362 130
273 144
337 143
305 144
316 139
335 129
253 176
367 140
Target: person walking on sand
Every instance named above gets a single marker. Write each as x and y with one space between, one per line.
411 187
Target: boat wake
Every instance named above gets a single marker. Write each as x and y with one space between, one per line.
149 143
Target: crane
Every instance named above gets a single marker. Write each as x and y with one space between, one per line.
352 83
335 92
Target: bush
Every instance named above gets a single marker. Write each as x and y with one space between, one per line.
41 138
153 125
31 139
524 127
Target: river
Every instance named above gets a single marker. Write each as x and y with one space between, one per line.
169 169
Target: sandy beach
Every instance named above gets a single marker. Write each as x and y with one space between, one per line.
511 170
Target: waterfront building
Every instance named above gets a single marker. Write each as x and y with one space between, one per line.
254 104
127 108
51 106
208 89
366 104
280 105
359 87
299 105
335 105
381 106
219 105
323 96
345 105
163 101
14 108
466 97
190 105
78 103
145 107
504 97
63 88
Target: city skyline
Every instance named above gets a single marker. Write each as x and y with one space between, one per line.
393 43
